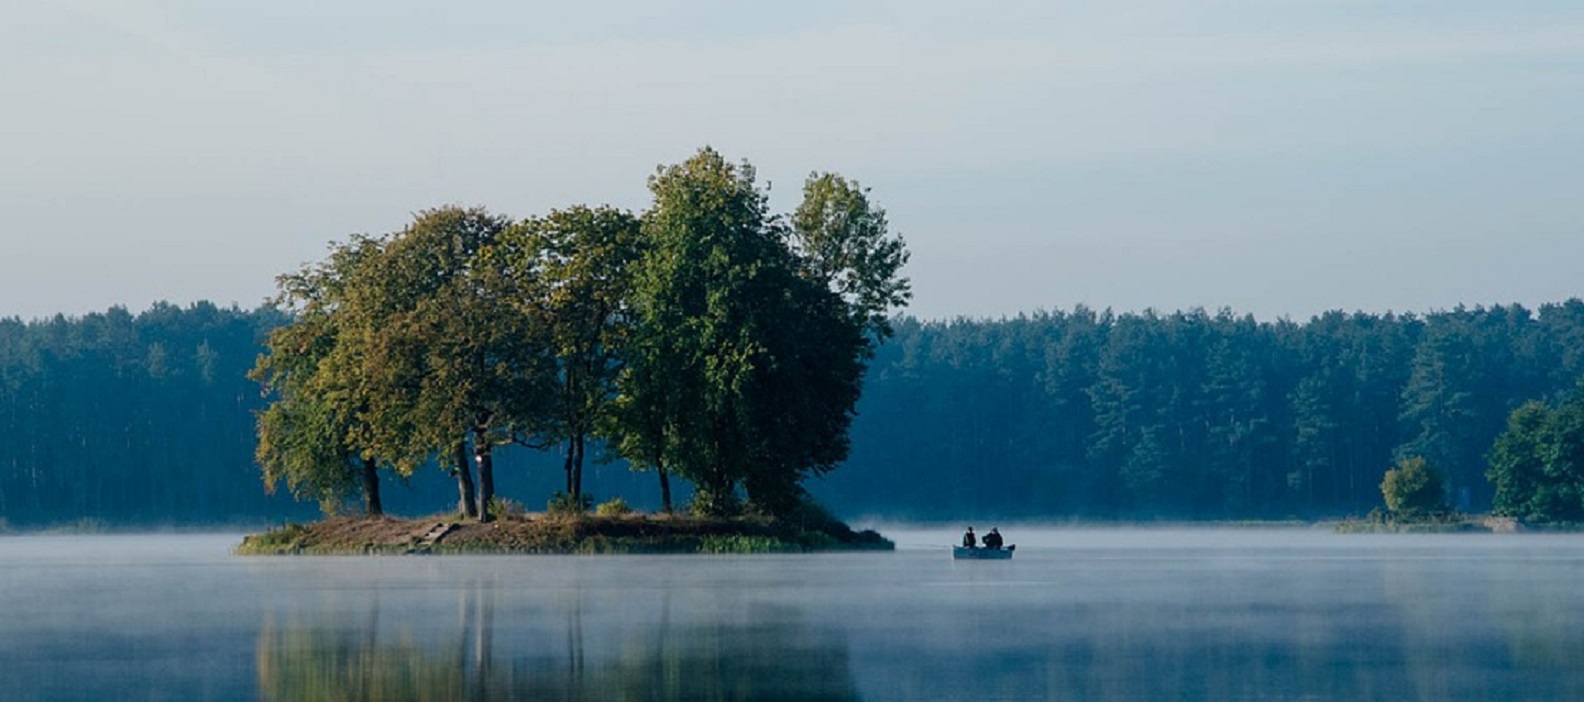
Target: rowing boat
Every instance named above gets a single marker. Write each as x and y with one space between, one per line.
991 554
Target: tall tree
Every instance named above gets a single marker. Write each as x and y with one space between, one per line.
451 354
708 245
312 436
1239 430
756 344
575 265
1441 405
1127 400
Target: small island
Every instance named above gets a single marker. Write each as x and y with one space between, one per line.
561 534
706 340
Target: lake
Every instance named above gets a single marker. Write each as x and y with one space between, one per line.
1079 614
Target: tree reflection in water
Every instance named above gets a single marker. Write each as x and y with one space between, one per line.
715 659
1459 619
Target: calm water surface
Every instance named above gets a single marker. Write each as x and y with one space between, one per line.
1083 614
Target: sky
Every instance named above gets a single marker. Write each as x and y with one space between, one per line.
1275 157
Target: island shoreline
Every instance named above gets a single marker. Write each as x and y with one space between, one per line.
530 534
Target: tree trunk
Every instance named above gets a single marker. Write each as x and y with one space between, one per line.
371 490
575 473
566 468
464 476
665 487
483 451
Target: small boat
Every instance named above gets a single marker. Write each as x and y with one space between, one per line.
965 553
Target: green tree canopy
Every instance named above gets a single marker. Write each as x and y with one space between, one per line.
1413 488
316 428
709 338
410 344
845 242
1537 464
751 349
575 270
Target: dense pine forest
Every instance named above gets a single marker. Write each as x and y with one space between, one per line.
149 418
1193 414
138 419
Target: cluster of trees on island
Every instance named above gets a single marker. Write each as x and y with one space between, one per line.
710 340
707 339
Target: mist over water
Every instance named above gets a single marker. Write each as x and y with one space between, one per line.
1100 614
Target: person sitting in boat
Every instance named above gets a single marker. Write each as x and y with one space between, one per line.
969 540
993 540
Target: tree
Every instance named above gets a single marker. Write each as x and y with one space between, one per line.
450 355
1458 394
748 357
1236 415
1412 489
708 246
302 444
312 435
845 243
408 347
1316 437
1127 400
1537 464
802 393
575 265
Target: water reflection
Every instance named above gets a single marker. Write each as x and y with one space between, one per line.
389 658
1224 626
1099 615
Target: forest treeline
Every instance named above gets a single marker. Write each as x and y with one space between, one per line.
149 418
1194 414
132 419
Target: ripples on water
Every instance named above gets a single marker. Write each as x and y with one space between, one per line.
1094 614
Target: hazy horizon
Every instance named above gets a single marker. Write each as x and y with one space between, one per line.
909 313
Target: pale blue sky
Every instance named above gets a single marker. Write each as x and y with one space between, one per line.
1279 157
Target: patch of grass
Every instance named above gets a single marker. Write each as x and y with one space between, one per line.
1419 522
745 543
1355 526
564 504
288 539
615 507
506 507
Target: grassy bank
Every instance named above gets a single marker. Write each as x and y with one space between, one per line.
1364 526
557 534
1448 523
